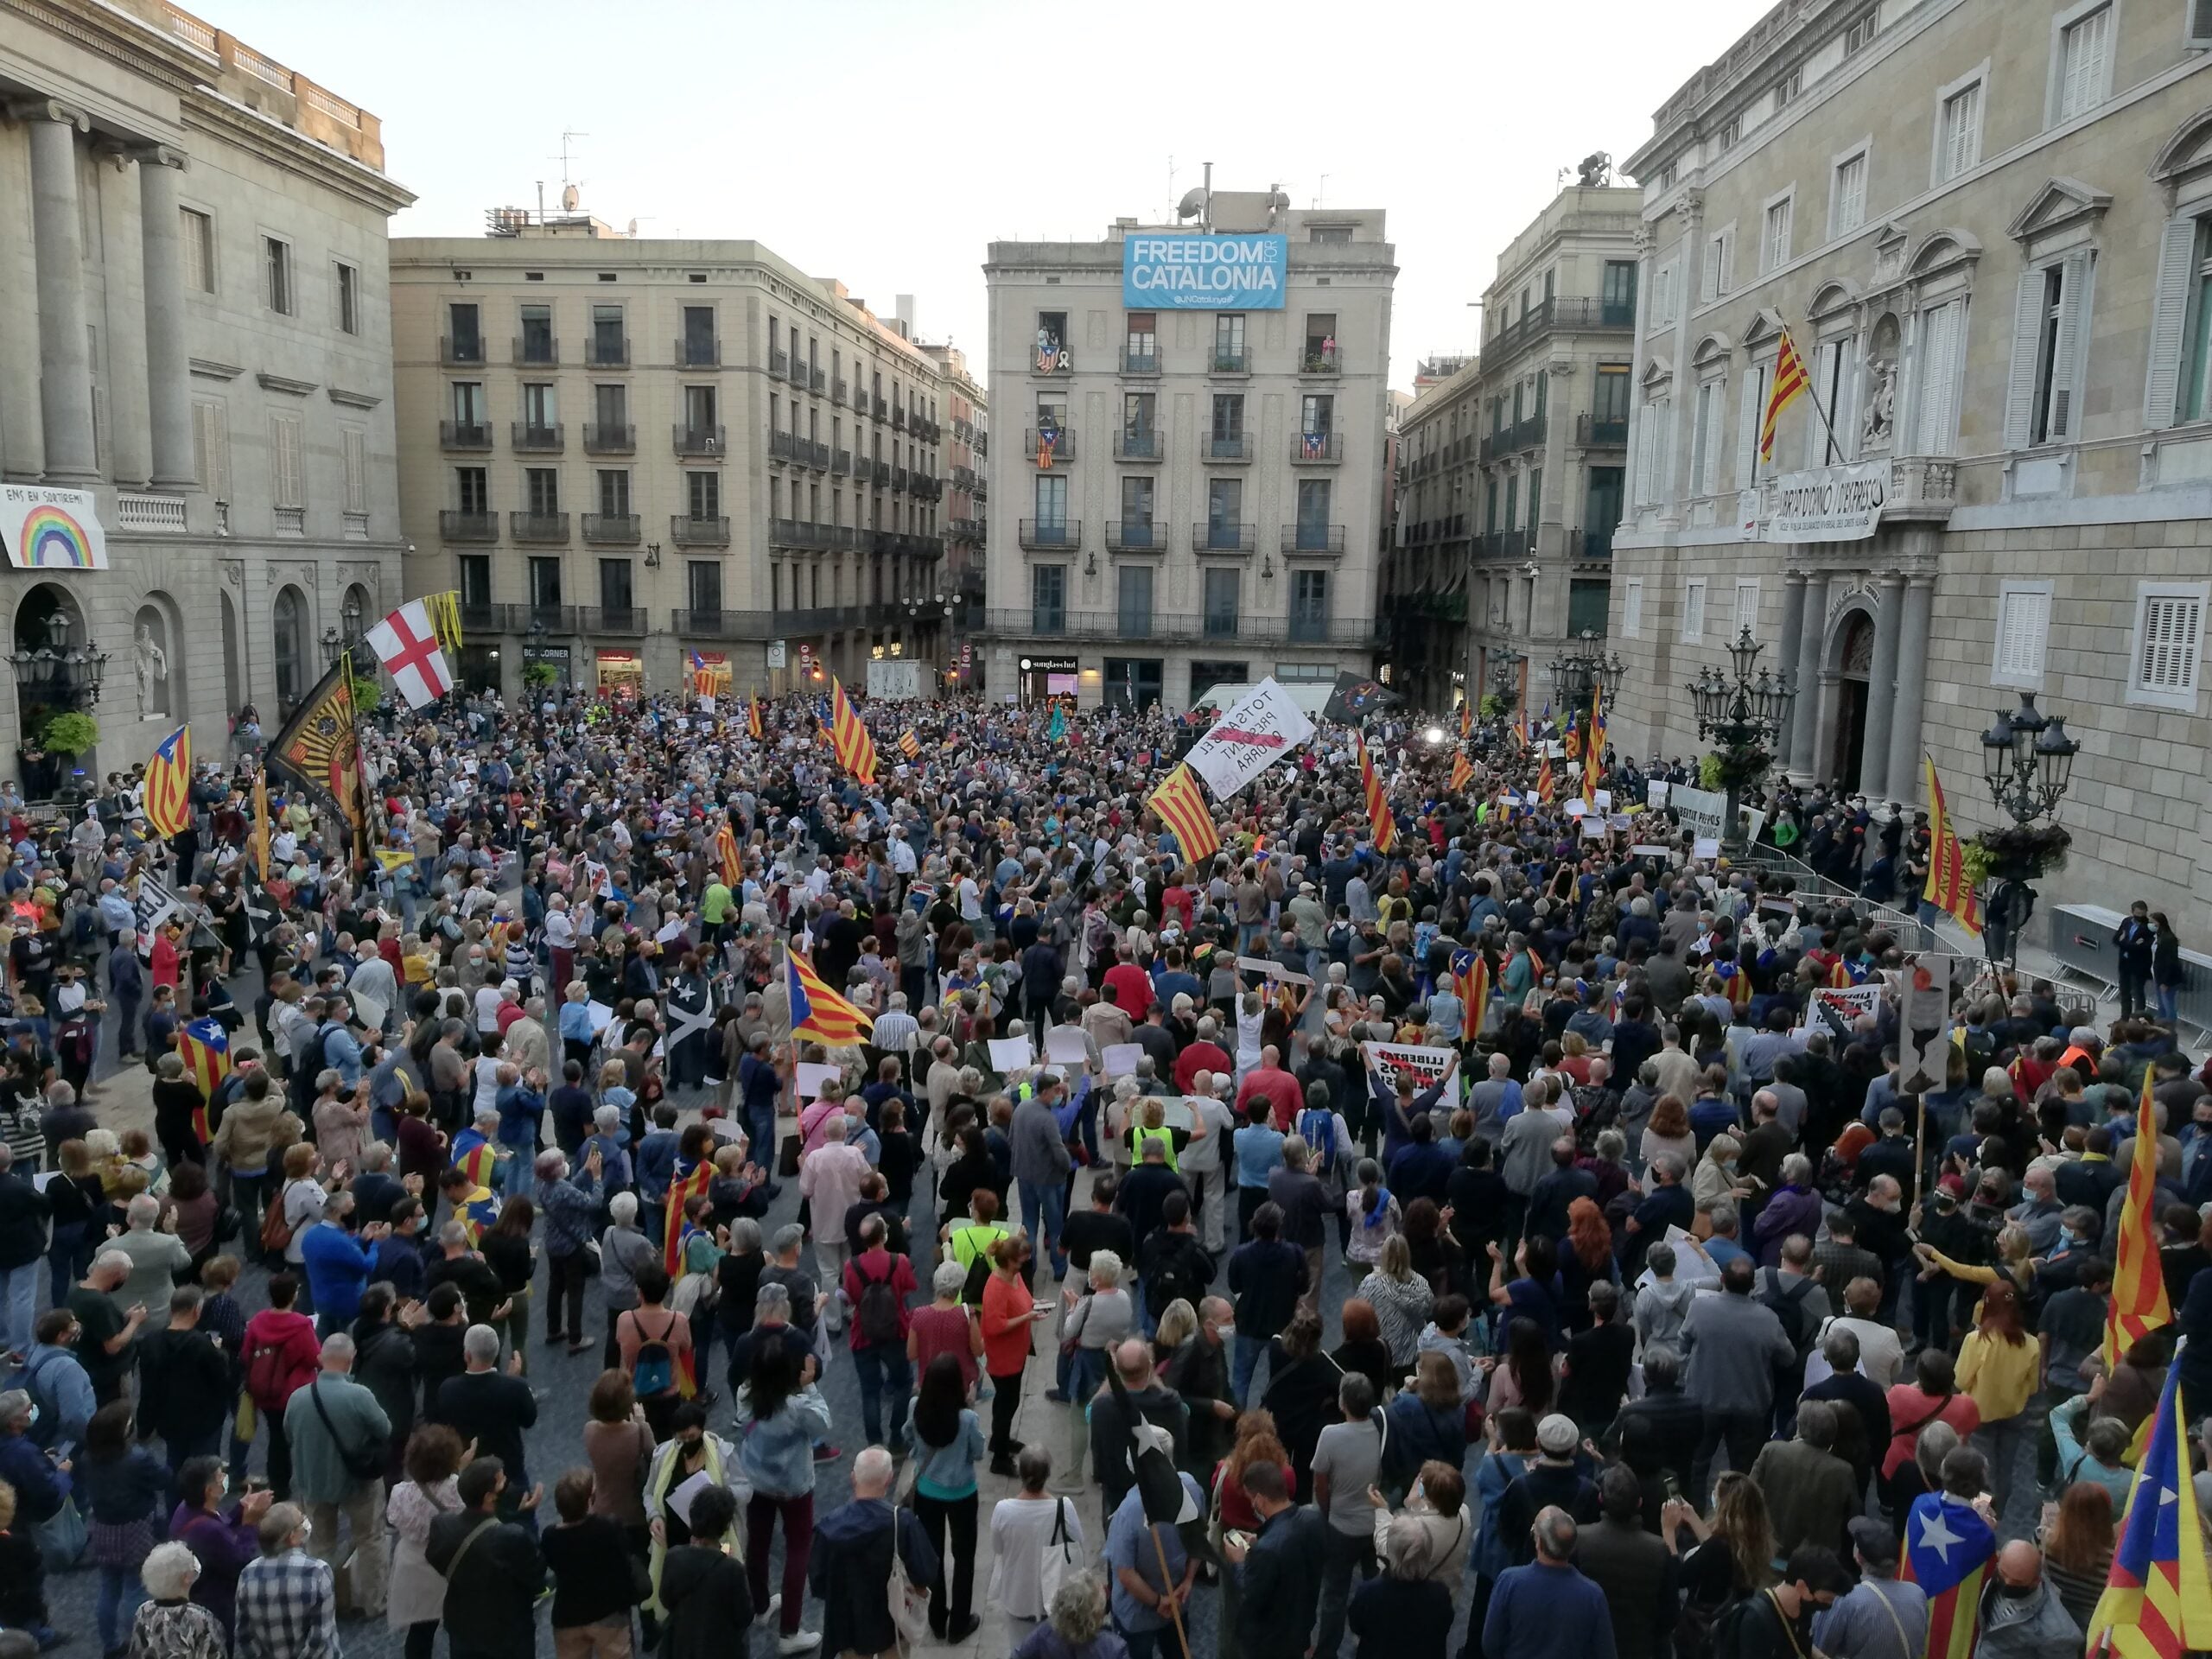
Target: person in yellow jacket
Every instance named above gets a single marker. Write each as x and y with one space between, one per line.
2015 1262
1999 1365
691 1452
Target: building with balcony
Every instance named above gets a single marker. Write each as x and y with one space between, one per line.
1195 497
195 374
1984 225
1423 581
963 454
623 451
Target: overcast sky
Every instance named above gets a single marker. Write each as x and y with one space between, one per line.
888 143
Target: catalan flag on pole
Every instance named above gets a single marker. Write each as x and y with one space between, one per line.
1378 805
909 745
1466 718
1790 383
731 865
1947 887
1463 774
855 748
2158 1604
205 1048
689 1185
1948 1552
168 783
1544 782
1593 748
817 1011
2138 1303
1182 807
752 716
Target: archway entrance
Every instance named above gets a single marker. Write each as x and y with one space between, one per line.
1854 666
50 631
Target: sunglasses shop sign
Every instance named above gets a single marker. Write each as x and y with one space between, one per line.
1196 272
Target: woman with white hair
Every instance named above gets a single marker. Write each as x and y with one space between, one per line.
623 1251
170 1625
944 1326
1075 1626
1097 1319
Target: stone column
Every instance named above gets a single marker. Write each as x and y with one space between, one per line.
1881 681
1805 713
168 384
119 368
1904 771
64 353
1785 655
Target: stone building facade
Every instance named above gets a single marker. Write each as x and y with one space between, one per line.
625 451
1985 227
194 352
965 457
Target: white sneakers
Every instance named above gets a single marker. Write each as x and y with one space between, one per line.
799 1642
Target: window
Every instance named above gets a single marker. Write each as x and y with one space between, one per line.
1320 339
1052 339
2169 643
1693 611
544 582
699 344
1651 436
288 483
1333 235
1958 132
1747 610
1536 502
1143 342
1228 417
1774 247
2049 345
1222 583
1512 501
1847 195
1663 295
1751 415
199 233
1136 512
1133 592
1313 501
1705 438
472 488
276 261
537 341
1225 513
1720 269
1617 293
607 343
475 579
1309 606
699 410
2022 631
1935 424
542 489
1731 130
614 584
702 584
1786 89
1860 32
464 333
1052 500
2180 383
211 448
610 408
1632 608
702 496
349 299
614 492
1048 598
354 448
1587 599
1229 342
1317 414
1609 402
2083 68
539 413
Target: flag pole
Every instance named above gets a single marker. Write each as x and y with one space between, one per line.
1834 450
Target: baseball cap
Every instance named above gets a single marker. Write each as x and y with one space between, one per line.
1873 1539
1557 1436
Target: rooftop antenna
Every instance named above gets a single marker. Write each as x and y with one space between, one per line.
1170 184
570 196
1322 196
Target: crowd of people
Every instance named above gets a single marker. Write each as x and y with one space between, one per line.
1472 1239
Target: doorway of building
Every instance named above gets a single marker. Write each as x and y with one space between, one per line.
1855 670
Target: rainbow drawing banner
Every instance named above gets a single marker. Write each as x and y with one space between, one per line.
44 529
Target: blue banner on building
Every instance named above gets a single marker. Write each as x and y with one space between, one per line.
1203 273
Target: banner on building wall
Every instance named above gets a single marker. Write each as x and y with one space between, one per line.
1194 272
1830 504
44 529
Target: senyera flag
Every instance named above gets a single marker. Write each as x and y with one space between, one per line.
167 796
406 643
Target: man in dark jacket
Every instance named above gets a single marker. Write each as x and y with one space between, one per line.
1555 1479
1281 1591
1660 1431
1198 1372
850 1568
185 1391
1171 1263
703 1594
1132 1393
492 1410
1146 1187
492 1569
1267 1275
24 1212
1635 1570
384 1363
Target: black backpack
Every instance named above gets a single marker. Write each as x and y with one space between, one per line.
1788 1306
877 1313
1174 1278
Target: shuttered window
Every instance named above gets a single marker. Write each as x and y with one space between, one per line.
1958 133
2169 641
1747 610
2176 385
211 448
1757 380
199 232
1693 611
2050 332
1935 424
287 469
2084 64
1847 201
2023 630
1632 608
357 469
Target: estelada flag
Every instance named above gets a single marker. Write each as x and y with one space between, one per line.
168 784
205 1048
817 1011
1379 817
2158 1604
1947 887
1470 983
1947 1550
2138 1303
1183 809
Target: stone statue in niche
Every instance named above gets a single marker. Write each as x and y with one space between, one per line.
152 664
1876 431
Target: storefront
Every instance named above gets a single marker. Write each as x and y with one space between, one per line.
1134 682
621 674
1047 677
552 666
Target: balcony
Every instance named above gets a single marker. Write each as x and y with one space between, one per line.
536 352
1108 627
612 529
1055 363
963 478
1144 362
898 480
480 616
608 351
1137 446
728 624
538 526
614 619
700 440
898 417
464 434
1320 358
799 532
1226 362
1223 537
1560 312
1593 433
1593 546
687 531
1129 535
468 526
1527 433
164 515
813 454
699 351
981 443
782 445
840 463
539 439
965 529
1313 539
882 474
1063 445
838 391
461 353
927 430
882 411
779 364
815 379
1057 534
924 487
610 440
1317 449
1235 447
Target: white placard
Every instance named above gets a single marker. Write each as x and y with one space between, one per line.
1264 727
1576 806
1602 799
1067 1045
1120 1059
1273 970
1702 811
1011 1053
813 1075
1655 793
681 1500
1177 1115
1842 1006
600 1014
672 931
1924 1021
1424 1063
1646 849
1705 846
1594 829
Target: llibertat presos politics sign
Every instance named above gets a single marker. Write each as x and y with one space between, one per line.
1174 271
1832 504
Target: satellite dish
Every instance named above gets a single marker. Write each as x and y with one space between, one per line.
1193 204
1280 198
570 198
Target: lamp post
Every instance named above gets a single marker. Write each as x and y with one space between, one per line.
1742 711
58 675
332 645
1505 683
1584 669
2027 761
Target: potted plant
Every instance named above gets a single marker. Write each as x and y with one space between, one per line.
367 694
70 733
1494 707
540 673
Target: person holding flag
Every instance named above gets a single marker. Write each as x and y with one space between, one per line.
1949 1546
2158 1604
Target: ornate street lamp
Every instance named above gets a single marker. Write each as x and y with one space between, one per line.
58 674
332 645
351 615
1741 712
1578 672
2027 761
1505 683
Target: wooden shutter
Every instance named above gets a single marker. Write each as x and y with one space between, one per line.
2166 663
286 486
1935 417
2022 625
1694 612
357 470
1747 610
1749 413
2200 23
2027 331
1632 606
2070 356
211 448
2170 313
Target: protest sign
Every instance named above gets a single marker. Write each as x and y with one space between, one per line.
1120 1059
1424 1064
1011 1053
1067 1045
1264 727
812 1076
1924 1023
1273 970
1703 812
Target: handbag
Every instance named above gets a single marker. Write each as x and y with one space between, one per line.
362 1466
1057 1562
62 1537
275 1231
910 1605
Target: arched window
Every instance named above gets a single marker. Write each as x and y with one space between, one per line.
291 648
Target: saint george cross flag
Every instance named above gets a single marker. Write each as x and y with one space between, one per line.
407 646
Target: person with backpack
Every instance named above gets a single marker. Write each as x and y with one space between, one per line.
655 1341
280 1357
1801 1303
1173 1266
877 1286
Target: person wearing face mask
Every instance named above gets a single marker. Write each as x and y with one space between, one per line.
2021 1615
1778 1623
1199 1371
693 1451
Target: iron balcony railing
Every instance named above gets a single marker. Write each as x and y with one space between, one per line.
782 445
1063 445
779 364
1320 358
539 439
729 625
882 474
608 351
538 526
882 409
840 463
1229 362
552 617
1594 434
687 531
614 619
1524 434
816 378
1137 446
698 440
611 528
1317 449
1595 544
1223 537
1298 628
1560 312
464 434
1054 533
536 352
460 353
1136 362
1313 539
609 440
468 526
698 352
1233 447
1134 536
800 532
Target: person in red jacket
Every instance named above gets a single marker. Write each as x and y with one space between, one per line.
1204 1055
1270 1083
279 1355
